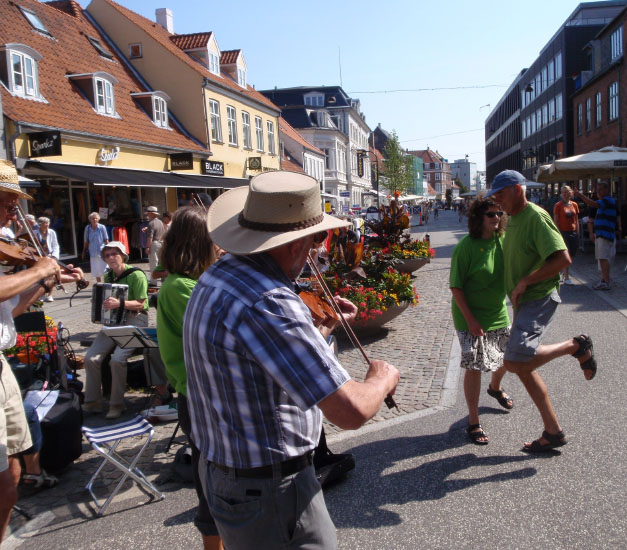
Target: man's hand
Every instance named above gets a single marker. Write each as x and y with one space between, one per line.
519 290
386 373
348 309
48 267
76 274
474 327
111 303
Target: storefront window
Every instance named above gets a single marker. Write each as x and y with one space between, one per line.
53 201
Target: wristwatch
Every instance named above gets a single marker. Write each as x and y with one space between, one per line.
42 284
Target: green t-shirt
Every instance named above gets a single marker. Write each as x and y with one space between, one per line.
136 281
531 237
477 269
173 297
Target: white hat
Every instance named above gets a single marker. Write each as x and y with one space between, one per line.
118 245
277 208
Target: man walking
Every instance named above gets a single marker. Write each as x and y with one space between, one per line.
154 234
260 374
534 254
606 227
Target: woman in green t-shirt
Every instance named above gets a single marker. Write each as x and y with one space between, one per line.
186 253
479 310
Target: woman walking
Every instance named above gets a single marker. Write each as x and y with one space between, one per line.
95 238
50 244
479 311
566 217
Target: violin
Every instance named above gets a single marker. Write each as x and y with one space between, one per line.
17 252
320 309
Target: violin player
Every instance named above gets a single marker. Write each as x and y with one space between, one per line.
261 375
17 291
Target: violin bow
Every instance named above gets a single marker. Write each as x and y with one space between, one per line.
389 400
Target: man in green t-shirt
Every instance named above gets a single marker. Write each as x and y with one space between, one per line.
534 254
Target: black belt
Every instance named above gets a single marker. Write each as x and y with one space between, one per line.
287 468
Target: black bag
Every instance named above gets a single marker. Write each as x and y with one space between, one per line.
61 431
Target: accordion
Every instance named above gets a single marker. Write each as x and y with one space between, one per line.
99 293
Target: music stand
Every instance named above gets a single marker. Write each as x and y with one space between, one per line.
132 337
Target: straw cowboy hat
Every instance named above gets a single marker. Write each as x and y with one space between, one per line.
9 180
275 209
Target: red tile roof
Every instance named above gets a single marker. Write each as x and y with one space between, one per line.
291 166
191 41
70 52
428 155
229 57
430 189
162 36
289 131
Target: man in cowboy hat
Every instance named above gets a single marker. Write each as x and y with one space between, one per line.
154 234
260 375
17 291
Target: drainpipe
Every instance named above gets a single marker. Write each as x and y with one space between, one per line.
204 104
11 144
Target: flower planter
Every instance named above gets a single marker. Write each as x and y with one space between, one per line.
27 358
411 265
370 326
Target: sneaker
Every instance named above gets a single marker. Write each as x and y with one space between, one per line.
601 285
47 298
93 407
568 282
115 411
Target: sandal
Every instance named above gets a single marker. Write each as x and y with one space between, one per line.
163 398
554 440
504 400
44 479
475 431
585 344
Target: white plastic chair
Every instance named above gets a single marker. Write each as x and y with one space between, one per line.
105 440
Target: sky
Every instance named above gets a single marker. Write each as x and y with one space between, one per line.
453 59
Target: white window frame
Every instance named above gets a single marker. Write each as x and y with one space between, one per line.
617 43
27 72
241 77
588 114
216 123
579 118
160 111
231 120
270 130
314 99
104 98
34 20
599 109
248 141
613 110
259 133
214 63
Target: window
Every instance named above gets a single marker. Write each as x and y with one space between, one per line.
99 47
327 159
588 114
558 107
545 115
529 126
598 109
23 73
104 96
248 142
551 110
538 85
613 101
533 123
241 77
524 129
216 127
34 20
134 51
214 63
271 147
558 66
617 43
545 78
315 100
579 118
259 132
437 176
551 68
160 112
538 119
232 124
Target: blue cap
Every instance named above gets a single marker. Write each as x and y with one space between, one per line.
504 179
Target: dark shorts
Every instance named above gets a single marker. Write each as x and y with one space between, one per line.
530 322
572 241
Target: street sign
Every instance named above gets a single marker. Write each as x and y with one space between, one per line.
345 193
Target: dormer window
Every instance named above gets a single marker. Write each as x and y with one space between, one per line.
214 63
315 100
32 18
99 89
241 77
156 106
99 47
19 72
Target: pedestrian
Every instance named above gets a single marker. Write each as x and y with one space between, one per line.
154 237
479 311
566 218
167 220
261 375
534 254
17 291
94 240
607 225
49 243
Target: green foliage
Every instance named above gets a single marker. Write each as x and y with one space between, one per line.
462 187
449 196
398 167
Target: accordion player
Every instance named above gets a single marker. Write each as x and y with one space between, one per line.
108 317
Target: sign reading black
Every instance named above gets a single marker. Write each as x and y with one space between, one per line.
181 161
44 144
212 168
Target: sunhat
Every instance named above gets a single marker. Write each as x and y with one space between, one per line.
277 208
506 178
152 210
115 244
9 180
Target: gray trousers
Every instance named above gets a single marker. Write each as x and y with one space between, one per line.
101 348
153 257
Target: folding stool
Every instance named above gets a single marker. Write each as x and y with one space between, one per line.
105 441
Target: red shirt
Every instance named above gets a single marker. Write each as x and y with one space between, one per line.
567 215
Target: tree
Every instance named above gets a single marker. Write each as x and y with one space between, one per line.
398 168
449 196
460 184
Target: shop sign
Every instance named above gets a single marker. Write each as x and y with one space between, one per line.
109 155
181 161
212 168
45 144
254 163
345 193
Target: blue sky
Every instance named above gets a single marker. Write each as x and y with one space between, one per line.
383 46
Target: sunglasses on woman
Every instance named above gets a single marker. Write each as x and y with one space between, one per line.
494 214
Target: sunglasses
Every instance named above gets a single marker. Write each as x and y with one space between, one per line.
110 254
320 237
494 214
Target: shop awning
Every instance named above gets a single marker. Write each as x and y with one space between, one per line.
104 175
27 182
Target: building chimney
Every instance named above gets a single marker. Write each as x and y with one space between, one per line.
165 19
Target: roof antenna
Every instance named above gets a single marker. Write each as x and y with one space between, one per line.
339 60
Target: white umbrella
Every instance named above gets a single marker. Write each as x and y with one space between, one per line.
606 162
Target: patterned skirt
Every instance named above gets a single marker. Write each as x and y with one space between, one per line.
483 353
